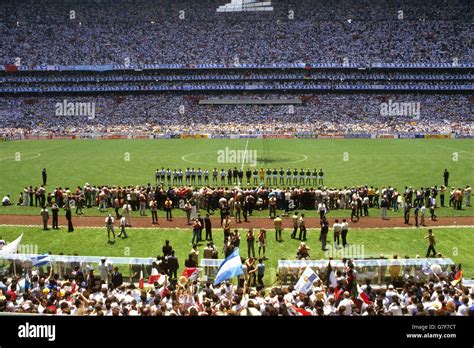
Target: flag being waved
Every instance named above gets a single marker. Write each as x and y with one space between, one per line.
27 281
358 294
296 311
141 283
330 276
457 275
40 260
229 268
11 247
306 280
191 273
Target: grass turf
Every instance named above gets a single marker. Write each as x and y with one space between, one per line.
455 243
346 162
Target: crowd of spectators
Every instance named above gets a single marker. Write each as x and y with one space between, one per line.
105 32
178 114
86 291
99 32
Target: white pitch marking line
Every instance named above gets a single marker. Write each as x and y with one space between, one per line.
185 158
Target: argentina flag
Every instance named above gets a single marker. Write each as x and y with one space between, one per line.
40 260
230 267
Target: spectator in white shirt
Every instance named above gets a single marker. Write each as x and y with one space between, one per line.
347 303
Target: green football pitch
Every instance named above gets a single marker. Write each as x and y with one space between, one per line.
346 162
377 162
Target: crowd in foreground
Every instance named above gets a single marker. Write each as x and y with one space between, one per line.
82 292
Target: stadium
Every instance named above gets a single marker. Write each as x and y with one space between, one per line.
236 158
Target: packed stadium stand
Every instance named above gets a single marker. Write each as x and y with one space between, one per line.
154 66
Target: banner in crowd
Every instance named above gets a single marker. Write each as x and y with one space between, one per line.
113 136
331 136
63 137
385 136
140 136
249 136
88 136
193 136
306 135
161 136
437 136
278 136
219 136
406 136
357 136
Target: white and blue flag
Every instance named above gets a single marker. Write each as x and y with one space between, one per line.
426 269
40 260
27 280
306 280
230 267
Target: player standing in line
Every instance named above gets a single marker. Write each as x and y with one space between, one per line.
175 177
229 177
261 176
315 177
199 176
281 173
193 176
187 176
268 175
255 176
162 174
214 176
248 175
288 177
157 176
321 177
308 177
222 176
295 176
